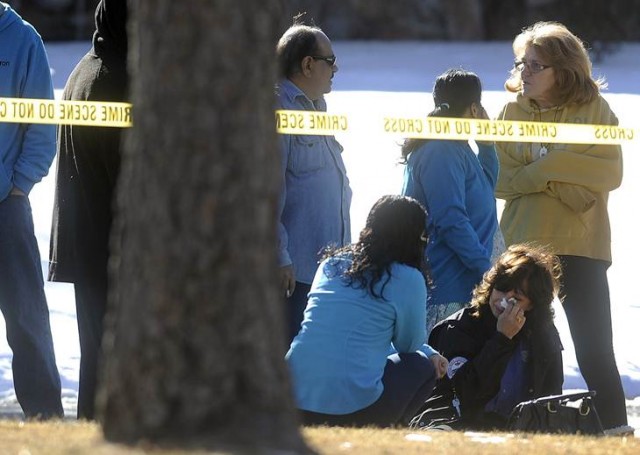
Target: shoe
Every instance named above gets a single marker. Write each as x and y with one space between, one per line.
622 430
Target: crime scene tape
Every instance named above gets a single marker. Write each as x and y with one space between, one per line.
118 115
87 113
322 123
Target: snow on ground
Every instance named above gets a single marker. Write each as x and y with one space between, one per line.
383 78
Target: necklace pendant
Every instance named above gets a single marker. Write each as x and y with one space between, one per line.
543 151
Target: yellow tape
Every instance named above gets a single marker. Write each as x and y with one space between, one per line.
508 131
110 114
309 122
88 113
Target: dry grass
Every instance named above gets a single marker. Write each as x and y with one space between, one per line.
74 438
406 442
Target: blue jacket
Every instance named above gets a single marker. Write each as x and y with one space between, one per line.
315 198
26 150
337 360
456 187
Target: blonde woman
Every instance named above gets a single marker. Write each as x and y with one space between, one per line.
556 195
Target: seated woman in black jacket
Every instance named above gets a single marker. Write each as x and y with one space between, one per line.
503 348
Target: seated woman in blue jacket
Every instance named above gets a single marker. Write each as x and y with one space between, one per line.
504 348
360 358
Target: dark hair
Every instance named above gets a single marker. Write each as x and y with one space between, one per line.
295 44
394 232
523 267
453 92
568 56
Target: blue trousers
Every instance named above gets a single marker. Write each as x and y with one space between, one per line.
24 307
408 381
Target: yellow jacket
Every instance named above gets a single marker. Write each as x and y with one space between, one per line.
559 199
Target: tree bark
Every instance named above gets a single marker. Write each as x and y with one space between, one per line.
194 349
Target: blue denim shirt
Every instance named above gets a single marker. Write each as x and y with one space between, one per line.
316 197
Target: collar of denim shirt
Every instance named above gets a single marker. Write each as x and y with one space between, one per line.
297 97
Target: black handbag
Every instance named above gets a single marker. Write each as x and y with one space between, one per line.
568 414
440 411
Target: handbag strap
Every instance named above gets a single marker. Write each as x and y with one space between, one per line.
566 397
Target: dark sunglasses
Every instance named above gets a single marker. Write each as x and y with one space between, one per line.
505 284
331 60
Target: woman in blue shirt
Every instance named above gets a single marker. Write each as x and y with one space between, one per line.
455 181
360 358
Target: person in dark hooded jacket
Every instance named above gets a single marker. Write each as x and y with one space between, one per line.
88 165
503 348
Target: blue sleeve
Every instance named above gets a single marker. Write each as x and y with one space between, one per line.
283 237
39 141
489 161
427 350
408 292
442 173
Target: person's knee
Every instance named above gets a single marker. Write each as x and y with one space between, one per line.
419 364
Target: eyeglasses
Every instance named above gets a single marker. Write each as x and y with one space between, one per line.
503 287
505 284
331 60
534 67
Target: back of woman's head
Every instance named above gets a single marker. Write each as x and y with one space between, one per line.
557 47
529 268
394 232
453 93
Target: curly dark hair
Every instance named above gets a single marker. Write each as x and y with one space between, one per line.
523 266
394 232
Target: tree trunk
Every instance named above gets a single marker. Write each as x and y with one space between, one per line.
194 350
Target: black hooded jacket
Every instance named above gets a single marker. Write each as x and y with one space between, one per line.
89 157
487 353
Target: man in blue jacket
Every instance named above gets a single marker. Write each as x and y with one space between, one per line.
316 197
26 152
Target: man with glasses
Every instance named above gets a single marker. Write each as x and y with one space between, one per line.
316 197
